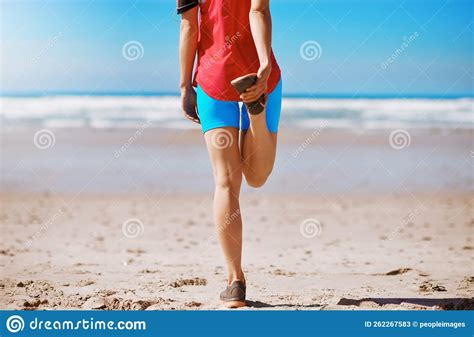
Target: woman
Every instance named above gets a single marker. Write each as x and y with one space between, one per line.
232 38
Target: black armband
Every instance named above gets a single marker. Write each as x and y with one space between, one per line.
185 5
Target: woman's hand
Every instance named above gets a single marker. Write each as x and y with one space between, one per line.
260 87
188 103
188 42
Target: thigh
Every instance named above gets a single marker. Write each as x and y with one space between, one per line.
223 147
214 113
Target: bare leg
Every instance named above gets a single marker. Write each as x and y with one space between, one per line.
258 151
223 148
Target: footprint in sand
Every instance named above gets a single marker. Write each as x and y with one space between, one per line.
33 303
34 294
428 286
85 283
192 304
99 238
467 282
189 282
22 284
6 252
149 271
398 271
137 251
117 303
279 272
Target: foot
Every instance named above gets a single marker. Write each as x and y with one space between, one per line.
241 84
234 295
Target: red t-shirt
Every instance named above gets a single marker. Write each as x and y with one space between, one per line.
226 48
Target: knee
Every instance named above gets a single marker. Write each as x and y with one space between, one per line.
256 180
228 181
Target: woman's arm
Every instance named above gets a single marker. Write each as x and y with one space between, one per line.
188 43
261 27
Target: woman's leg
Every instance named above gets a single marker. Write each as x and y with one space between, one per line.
258 150
259 142
223 147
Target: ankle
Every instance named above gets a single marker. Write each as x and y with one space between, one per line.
236 276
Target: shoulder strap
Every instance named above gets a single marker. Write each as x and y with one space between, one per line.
185 5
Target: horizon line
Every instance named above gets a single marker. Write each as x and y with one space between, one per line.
151 93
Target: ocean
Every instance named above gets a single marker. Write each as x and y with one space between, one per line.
163 110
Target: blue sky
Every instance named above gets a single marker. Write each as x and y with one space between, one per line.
68 45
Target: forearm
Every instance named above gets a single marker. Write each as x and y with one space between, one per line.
261 27
188 43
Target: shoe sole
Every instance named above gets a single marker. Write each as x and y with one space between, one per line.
234 304
243 83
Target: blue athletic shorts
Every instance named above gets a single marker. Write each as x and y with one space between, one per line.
216 114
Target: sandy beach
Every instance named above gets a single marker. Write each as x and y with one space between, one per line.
346 222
